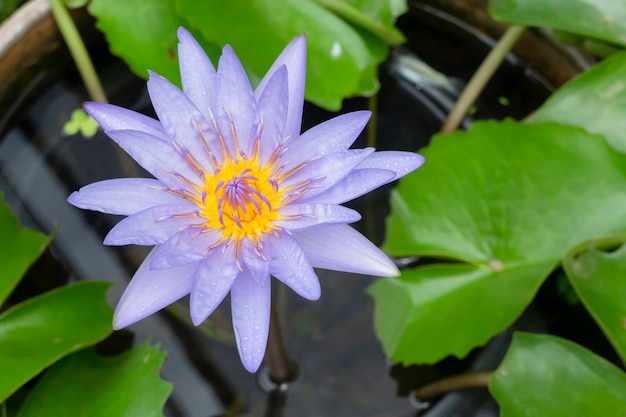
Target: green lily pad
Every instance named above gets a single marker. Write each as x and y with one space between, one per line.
258 30
507 199
599 279
86 384
601 19
41 330
142 32
550 377
441 310
595 101
19 248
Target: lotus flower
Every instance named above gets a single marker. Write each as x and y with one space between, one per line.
239 193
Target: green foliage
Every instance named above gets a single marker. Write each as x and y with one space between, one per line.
595 101
346 39
86 384
81 122
19 248
506 199
599 279
603 19
41 330
550 377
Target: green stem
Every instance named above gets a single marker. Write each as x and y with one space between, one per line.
78 51
480 379
353 15
280 367
480 78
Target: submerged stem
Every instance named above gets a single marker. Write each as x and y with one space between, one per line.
78 50
480 379
480 78
280 367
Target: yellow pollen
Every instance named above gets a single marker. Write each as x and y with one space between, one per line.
241 199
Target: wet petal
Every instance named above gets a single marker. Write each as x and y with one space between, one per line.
341 248
355 184
273 110
213 279
111 117
291 266
294 58
302 216
397 161
196 72
189 245
180 118
235 95
150 291
157 157
250 305
124 196
257 261
334 135
152 226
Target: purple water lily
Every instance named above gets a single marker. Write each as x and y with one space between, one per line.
239 194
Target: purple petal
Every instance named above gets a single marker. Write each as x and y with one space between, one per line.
307 215
250 305
329 169
258 263
150 291
355 184
294 58
180 117
157 157
291 266
189 245
273 109
152 226
397 161
235 95
123 196
111 117
334 135
341 248
214 278
196 72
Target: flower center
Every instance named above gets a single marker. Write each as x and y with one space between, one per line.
241 199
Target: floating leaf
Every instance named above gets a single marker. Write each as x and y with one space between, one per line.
550 377
85 384
19 248
595 101
510 200
599 279
41 330
142 32
602 19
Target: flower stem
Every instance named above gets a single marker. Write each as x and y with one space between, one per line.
351 14
78 50
480 379
280 368
480 78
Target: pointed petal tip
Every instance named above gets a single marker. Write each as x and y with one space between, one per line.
73 198
183 34
251 365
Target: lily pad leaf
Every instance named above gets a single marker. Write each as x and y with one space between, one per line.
503 198
441 310
595 101
19 248
605 19
86 384
547 376
43 329
259 30
599 279
142 32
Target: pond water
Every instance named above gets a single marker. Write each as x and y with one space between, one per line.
343 371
